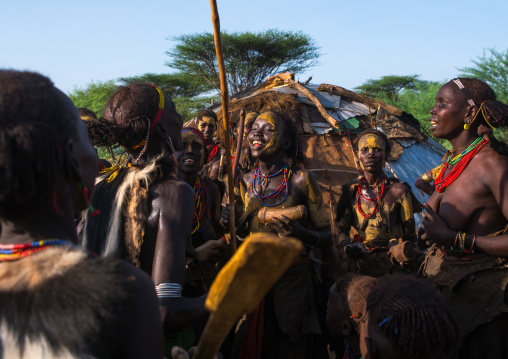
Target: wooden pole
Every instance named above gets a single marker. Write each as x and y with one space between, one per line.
226 122
332 121
239 142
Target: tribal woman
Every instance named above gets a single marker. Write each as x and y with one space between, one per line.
379 208
286 323
201 270
146 212
58 301
467 216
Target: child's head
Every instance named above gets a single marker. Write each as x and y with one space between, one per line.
346 302
405 318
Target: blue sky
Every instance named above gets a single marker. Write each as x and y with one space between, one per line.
76 42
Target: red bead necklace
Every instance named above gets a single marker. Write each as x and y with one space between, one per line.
442 182
376 207
213 149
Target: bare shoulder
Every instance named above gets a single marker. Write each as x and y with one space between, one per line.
142 283
398 189
173 190
491 166
305 181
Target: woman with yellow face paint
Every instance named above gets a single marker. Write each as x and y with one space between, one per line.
288 316
377 207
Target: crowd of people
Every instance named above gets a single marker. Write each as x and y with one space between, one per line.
110 261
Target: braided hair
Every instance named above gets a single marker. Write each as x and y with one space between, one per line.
496 112
123 198
35 120
354 289
411 315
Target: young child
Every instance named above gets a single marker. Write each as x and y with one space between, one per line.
405 318
346 302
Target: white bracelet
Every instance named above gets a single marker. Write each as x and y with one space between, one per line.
168 290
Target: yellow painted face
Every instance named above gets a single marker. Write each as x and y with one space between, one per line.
274 142
207 125
370 143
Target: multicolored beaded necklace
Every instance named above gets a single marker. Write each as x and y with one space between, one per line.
10 252
456 159
376 207
200 205
441 181
284 185
212 150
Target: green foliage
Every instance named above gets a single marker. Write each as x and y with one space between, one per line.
249 57
492 69
189 107
174 85
418 101
389 86
94 96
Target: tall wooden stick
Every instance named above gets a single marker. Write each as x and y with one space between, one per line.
370 114
226 123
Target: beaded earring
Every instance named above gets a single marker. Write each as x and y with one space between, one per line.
84 190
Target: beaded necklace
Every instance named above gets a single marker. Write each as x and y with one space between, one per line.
10 252
442 182
468 149
200 204
284 185
379 196
212 149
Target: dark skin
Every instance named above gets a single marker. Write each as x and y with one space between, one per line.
207 126
268 143
338 323
140 334
374 345
424 186
166 241
475 202
190 161
372 161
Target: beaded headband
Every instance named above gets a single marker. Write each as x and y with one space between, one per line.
197 132
160 110
464 91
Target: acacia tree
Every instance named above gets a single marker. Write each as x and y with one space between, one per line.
249 57
93 96
492 69
389 87
174 85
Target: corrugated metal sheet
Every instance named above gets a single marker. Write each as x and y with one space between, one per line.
345 109
414 161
